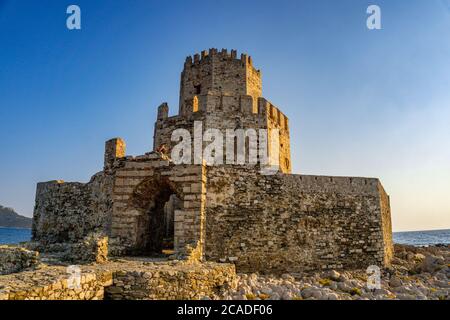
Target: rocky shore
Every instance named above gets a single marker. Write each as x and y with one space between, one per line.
417 273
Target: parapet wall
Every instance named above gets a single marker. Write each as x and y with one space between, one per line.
275 119
227 105
68 212
295 223
227 113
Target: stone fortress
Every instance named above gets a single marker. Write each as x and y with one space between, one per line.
148 205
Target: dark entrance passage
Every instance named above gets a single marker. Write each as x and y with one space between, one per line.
158 201
161 223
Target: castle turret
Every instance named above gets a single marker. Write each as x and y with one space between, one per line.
218 73
224 92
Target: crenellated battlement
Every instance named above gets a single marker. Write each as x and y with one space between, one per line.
273 113
218 104
224 54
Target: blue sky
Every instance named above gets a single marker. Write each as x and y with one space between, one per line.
360 102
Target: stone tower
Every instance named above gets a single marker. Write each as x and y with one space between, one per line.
224 92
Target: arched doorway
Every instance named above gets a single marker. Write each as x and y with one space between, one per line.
156 199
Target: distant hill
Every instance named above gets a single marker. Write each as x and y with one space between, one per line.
10 218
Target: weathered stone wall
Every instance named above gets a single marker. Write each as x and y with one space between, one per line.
114 149
122 279
93 248
14 259
120 205
293 223
68 212
166 125
386 223
171 281
144 184
54 283
276 120
268 118
273 223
